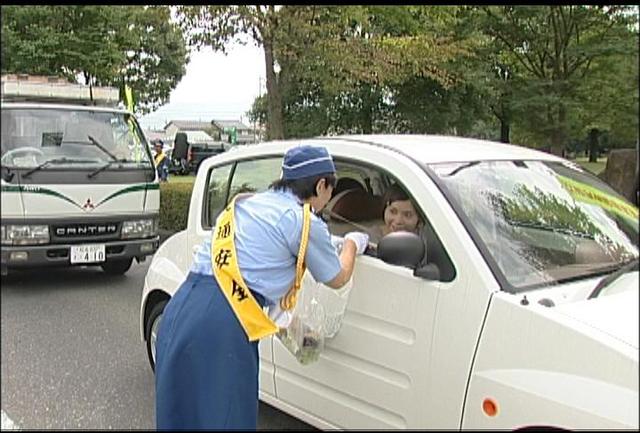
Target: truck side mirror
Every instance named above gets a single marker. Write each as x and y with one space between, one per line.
401 249
181 146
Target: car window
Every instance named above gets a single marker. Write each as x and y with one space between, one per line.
357 204
247 176
541 223
255 175
216 195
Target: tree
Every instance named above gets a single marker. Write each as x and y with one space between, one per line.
345 66
216 26
557 47
157 58
104 45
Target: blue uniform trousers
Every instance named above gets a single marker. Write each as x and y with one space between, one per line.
206 367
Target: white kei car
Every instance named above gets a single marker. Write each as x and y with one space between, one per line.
524 315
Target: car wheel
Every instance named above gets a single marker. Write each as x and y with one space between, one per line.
117 267
151 331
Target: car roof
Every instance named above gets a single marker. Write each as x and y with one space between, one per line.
428 149
442 148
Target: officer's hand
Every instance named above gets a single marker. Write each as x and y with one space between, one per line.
360 239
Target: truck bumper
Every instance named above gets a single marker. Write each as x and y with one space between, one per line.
59 254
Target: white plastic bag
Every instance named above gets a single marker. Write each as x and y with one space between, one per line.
334 303
304 337
316 317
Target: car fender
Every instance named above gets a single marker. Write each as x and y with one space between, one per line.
525 398
167 270
539 366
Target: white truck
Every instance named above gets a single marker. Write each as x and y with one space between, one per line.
79 185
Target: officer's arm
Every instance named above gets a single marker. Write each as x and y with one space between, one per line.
347 262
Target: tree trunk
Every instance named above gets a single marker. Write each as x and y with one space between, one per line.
87 79
594 146
275 126
367 110
505 131
558 139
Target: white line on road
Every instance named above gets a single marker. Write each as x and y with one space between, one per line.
7 424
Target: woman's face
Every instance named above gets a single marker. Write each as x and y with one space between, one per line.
400 215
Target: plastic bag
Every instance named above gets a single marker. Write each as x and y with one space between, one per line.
334 303
316 317
304 337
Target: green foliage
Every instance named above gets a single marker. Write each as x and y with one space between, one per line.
559 55
104 45
175 199
344 68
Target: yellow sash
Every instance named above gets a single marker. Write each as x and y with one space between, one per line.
159 158
254 321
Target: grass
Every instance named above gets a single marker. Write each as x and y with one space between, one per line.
174 178
594 167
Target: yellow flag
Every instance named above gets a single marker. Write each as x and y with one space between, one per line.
128 97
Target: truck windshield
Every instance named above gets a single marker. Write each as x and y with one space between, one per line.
48 138
543 223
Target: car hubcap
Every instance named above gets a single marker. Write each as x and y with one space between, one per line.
154 337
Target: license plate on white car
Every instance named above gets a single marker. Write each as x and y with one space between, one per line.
87 253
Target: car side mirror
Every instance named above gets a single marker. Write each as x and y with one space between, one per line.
402 249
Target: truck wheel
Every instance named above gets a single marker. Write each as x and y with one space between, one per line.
117 267
151 331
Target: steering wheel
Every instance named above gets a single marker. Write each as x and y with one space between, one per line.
21 151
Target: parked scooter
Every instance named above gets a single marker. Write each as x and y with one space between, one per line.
180 155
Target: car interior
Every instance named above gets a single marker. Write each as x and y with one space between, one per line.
357 204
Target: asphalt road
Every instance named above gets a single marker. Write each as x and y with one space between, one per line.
72 356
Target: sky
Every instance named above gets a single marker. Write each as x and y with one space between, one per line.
215 86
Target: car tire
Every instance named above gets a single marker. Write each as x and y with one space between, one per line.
151 331
117 267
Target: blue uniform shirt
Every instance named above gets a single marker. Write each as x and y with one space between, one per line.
268 230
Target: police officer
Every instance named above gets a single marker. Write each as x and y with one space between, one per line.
161 161
207 348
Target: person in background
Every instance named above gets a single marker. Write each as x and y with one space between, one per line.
207 360
161 161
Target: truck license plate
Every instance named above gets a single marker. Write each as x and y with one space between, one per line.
87 253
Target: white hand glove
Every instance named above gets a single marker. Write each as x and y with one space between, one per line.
337 242
361 240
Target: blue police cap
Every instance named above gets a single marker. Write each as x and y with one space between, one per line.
305 161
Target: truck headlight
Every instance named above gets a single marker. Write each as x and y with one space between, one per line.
139 228
25 234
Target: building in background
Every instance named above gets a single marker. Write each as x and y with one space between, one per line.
234 132
228 131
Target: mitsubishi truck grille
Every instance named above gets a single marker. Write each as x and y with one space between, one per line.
85 231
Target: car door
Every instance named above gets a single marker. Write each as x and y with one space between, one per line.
402 356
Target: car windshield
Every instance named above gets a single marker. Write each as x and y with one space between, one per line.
542 223
54 138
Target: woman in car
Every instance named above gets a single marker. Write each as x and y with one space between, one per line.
399 213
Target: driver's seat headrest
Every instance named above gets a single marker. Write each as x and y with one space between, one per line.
356 205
